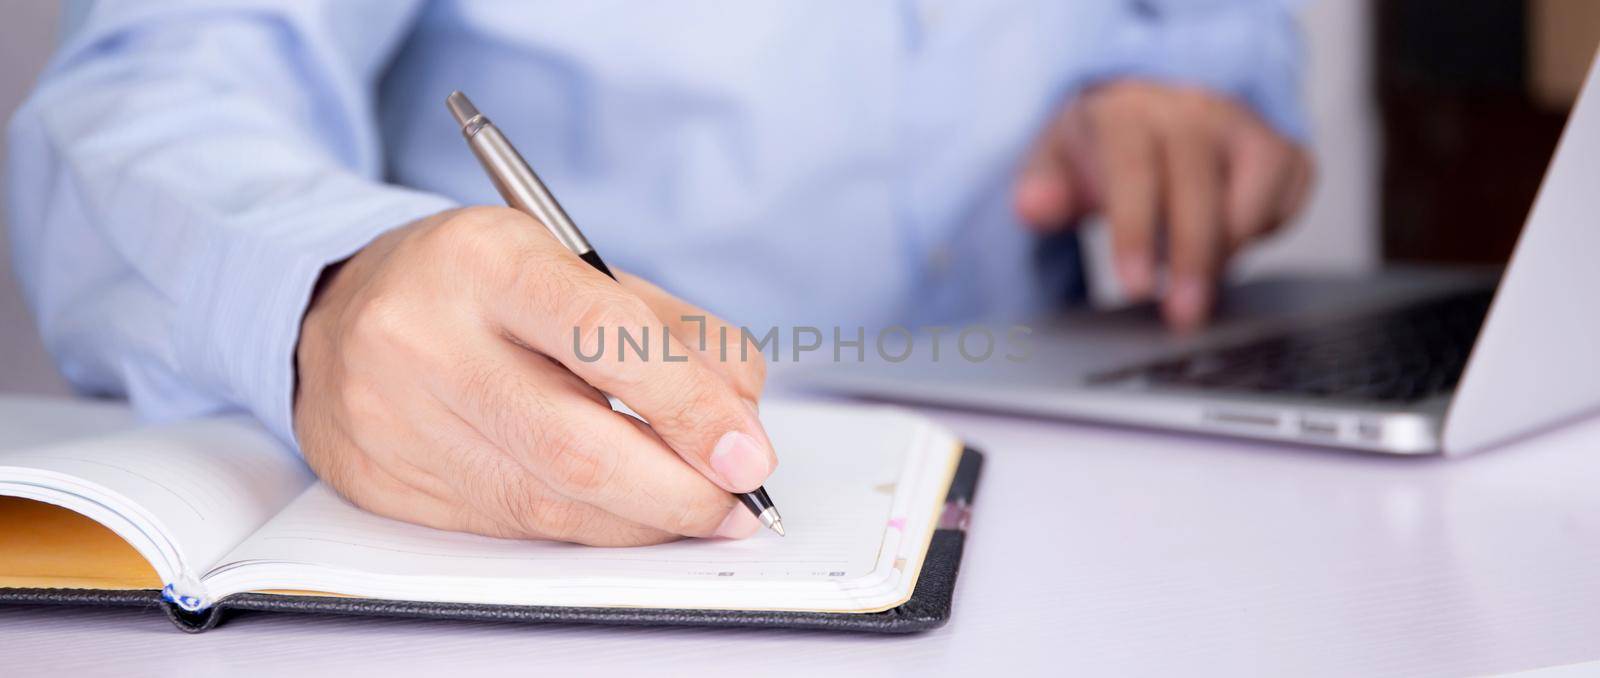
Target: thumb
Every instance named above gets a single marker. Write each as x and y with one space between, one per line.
1052 191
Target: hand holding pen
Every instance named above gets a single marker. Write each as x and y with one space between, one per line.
436 384
523 191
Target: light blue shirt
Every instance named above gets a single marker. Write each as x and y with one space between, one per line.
186 169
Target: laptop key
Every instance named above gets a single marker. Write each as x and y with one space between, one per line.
1400 355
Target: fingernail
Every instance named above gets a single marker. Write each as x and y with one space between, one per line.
1039 185
1039 198
741 461
739 524
1190 300
1137 275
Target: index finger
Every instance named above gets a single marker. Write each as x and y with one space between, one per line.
707 335
1194 187
559 306
1133 197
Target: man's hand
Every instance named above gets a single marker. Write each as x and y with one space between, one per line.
1177 171
438 384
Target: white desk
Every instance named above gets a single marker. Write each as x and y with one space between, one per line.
1092 549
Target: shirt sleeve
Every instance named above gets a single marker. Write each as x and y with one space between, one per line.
180 178
1249 49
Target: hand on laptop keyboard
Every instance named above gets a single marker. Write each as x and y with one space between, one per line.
1196 171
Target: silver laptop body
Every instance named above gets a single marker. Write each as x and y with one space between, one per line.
1472 358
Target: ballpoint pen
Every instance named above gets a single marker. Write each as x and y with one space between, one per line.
523 191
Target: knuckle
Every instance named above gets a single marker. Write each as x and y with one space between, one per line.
520 505
506 404
694 407
1179 112
473 223
476 385
561 519
1193 103
597 317
609 309
574 466
754 376
533 286
476 236
1122 98
379 319
468 518
1105 108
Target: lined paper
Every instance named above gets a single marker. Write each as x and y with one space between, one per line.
846 480
192 490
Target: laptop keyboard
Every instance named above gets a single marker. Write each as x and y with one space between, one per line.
1401 355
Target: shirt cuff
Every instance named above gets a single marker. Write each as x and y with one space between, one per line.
242 330
1252 52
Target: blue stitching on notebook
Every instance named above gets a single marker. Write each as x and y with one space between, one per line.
188 603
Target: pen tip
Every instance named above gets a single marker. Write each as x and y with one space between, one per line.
461 107
770 518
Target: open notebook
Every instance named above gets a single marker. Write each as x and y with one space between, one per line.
215 513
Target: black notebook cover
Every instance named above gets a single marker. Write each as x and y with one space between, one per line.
928 608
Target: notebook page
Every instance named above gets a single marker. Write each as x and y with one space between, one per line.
183 494
841 471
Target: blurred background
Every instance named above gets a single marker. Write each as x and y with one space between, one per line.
1432 124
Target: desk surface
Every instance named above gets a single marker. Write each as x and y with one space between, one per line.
1160 554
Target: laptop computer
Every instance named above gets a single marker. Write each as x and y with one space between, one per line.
1406 362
